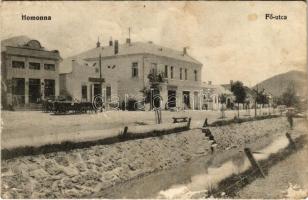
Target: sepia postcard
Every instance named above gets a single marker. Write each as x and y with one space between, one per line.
154 100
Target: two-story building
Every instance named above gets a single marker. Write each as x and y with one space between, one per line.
124 70
29 72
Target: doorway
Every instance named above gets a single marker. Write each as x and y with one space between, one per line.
171 98
186 99
34 90
97 90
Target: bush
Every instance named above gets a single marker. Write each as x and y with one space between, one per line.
241 120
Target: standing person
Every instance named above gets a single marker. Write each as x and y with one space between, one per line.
290 117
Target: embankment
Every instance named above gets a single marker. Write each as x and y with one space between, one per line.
84 172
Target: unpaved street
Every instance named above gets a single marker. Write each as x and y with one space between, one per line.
29 128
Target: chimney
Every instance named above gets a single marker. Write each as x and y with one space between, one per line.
128 41
110 42
184 51
116 47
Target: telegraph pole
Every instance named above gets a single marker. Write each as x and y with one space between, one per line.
100 77
257 92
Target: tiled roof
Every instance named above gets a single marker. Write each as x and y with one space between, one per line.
128 49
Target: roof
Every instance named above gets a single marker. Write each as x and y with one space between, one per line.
19 41
128 49
14 41
218 89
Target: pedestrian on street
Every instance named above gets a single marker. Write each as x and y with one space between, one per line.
290 117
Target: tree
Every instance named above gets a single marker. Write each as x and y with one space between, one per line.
222 100
262 98
239 92
289 97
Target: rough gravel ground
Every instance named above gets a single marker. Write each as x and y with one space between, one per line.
83 172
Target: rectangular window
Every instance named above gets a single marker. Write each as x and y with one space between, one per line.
181 73
196 75
33 65
18 64
185 74
135 69
172 72
18 91
50 67
84 92
166 71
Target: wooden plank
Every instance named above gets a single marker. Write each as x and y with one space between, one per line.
254 162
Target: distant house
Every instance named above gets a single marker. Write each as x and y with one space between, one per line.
249 102
29 72
120 71
213 93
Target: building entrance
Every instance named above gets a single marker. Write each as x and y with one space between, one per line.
34 90
171 98
97 90
186 99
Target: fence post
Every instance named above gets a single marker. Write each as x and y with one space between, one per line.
253 161
292 143
125 132
188 123
159 116
205 124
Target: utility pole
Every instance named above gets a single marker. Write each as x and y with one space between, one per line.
129 32
257 92
100 77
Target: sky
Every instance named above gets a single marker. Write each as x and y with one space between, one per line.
232 39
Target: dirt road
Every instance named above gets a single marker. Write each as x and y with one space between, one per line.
20 127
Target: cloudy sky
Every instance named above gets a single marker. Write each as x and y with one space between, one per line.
232 39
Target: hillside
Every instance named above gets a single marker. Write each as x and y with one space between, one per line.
276 85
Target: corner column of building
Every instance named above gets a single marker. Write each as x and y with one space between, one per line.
57 86
164 95
200 99
26 90
179 99
92 92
